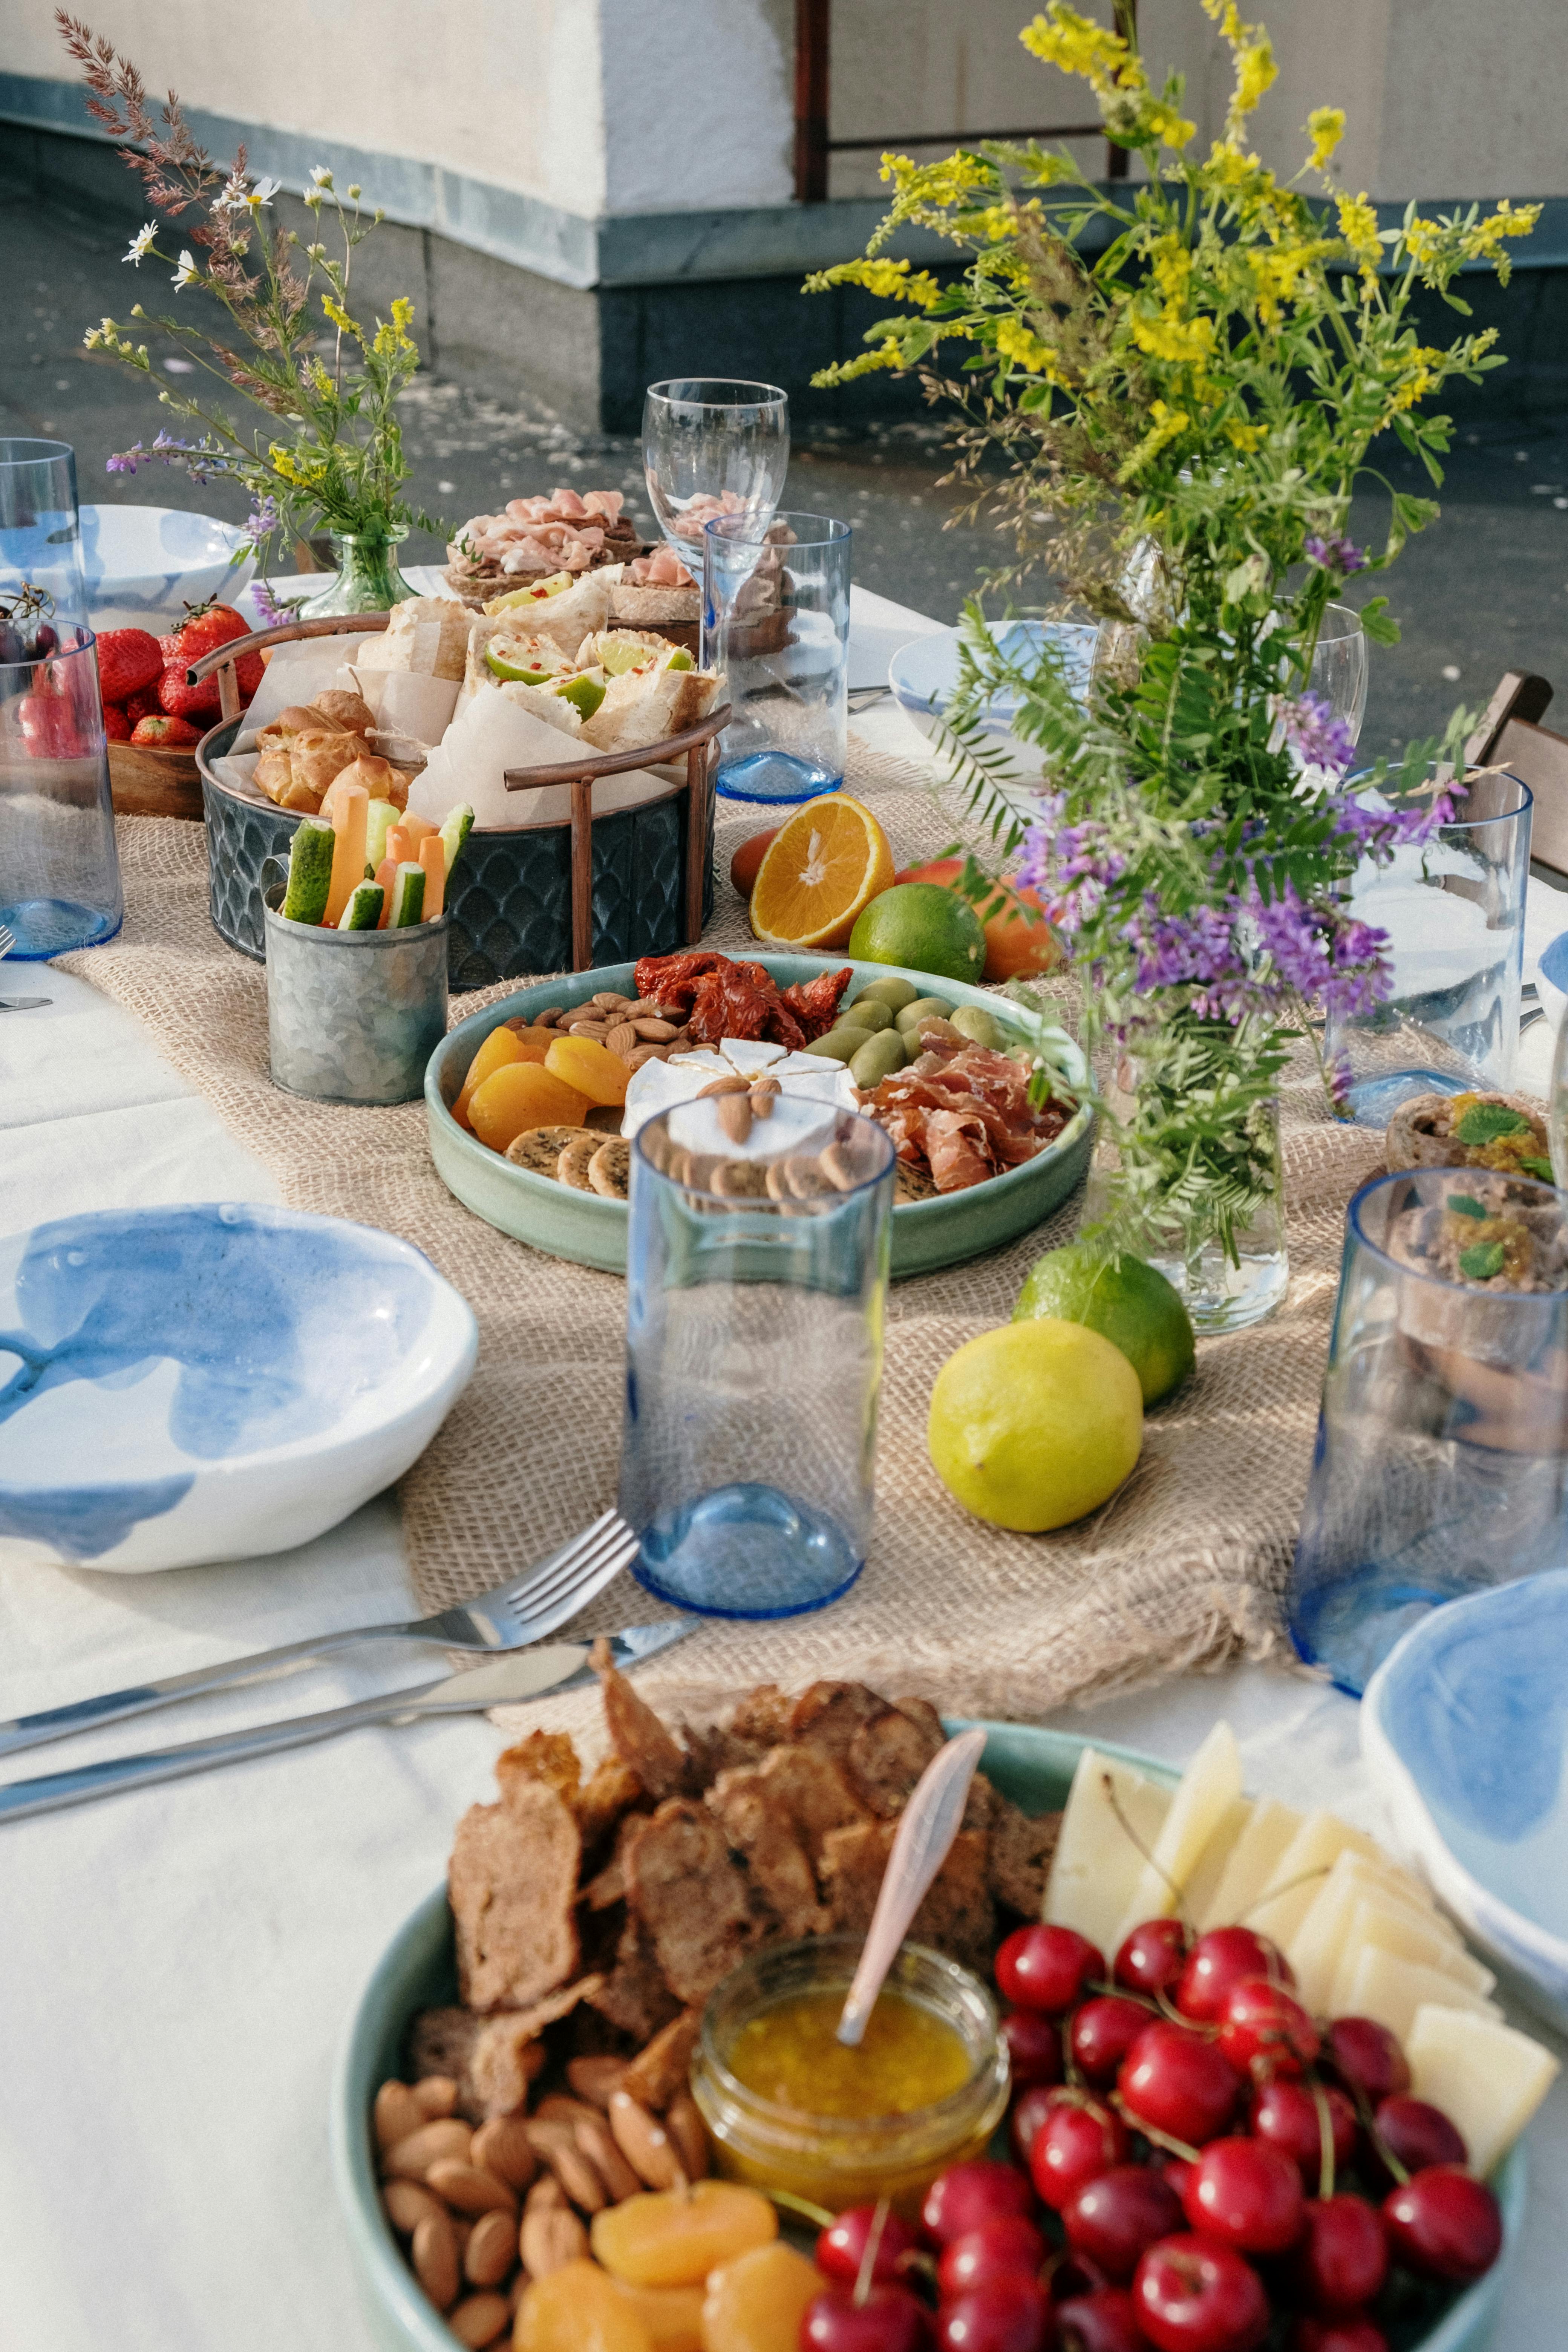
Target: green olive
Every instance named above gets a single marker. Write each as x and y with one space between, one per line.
879 1059
982 1028
894 993
870 1012
840 1045
924 1008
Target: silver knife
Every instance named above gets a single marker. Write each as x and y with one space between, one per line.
503 1682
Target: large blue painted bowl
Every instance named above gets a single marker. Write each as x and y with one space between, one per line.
211 1382
417 1971
143 565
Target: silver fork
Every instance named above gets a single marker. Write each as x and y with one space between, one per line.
18 1004
508 1618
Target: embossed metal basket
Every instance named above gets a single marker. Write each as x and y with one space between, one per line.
568 894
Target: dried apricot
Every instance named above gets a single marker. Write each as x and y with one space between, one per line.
755 2304
589 1066
577 2309
500 1048
519 1095
674 2237
672 2314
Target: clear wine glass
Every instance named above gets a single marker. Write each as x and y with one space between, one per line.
1338 666
712 445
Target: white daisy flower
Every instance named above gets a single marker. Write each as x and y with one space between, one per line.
187 273
322 176
140 244
263 192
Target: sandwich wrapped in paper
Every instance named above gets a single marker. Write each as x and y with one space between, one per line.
643 706
517 727
566 614
411 674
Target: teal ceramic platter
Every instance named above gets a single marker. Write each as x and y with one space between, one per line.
567 1224
1035 1767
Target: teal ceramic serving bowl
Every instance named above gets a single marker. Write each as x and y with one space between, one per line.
1035 1767
564 1222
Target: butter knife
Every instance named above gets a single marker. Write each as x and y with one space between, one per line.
502 1682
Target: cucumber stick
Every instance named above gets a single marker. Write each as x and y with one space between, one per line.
310 871
455 832
407 897
380 818
363 912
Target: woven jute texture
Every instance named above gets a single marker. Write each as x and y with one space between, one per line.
1183 1567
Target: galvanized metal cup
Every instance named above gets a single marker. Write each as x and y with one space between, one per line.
353 1017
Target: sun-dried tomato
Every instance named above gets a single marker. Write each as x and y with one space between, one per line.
815 1002
731 1004
672 980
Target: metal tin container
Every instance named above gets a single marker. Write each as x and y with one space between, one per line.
353 1017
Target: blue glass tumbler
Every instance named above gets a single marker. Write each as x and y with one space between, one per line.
775 620
40 536
1441 1465
756 1292
59 870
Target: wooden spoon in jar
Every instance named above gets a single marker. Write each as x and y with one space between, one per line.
927 1827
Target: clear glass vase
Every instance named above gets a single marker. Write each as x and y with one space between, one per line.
1229 1276
367 579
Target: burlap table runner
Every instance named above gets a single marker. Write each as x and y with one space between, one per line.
1183 1567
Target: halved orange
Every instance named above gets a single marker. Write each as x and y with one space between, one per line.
827 862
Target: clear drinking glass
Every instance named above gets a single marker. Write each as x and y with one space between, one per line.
1442 1458
1339 668
775 620
1454 913
712 445
40 539
756 1291
59 872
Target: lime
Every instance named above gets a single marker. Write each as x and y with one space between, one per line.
1035 1424
526 672
924 927
1123 1300
585 692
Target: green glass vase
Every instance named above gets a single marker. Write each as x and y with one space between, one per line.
367 579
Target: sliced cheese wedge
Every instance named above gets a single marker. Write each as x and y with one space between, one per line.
1097 1864
1321 1942
1268 1832
1391 1990
1403 1936
1201 1887
1209 1787
1486 2077
1300 1873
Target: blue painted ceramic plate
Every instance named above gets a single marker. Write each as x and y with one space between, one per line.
1463 1728
1033 1766
210 1383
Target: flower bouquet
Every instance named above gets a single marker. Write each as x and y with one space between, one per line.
1185 373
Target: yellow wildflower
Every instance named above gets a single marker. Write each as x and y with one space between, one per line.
1062 38
1327 126
1253 55
1184 341
1246 437
1163 123
1358 226
1168 425
338 315
1484 242
1015 342
1423 239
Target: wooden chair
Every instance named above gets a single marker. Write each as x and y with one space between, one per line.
1510 736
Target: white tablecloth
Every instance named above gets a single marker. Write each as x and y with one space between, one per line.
176 1965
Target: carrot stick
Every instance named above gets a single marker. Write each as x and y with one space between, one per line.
417 828
385 874
350 812
400 845
433 857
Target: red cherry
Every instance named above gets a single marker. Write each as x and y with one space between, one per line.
841 2249
1285 2114
1192 2294
1073 2274
1103 2032
1342 2259
1355 2333
1028 2115
1113 2218
1099 2322
1263 2031
889 2320
1008 2313
966 2196
1034 2046
1152 1956
1367 2054
1246 2194
1046 1967
1225 1957
1007 2244
1444 2223
1079 2140
1183 2085
1177 2171
1416 2135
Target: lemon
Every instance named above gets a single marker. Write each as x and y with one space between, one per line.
1126 1301
1035 1424
924 927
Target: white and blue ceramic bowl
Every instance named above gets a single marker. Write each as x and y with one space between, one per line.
214 1381
143 565
1463 1730
923 676
1552 981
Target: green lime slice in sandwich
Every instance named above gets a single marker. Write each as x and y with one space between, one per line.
585 691
527 672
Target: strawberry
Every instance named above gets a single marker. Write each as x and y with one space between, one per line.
170 733
206 627
183 701
128 660
48 727
143 705
116 726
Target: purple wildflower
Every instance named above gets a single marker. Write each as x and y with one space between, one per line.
125 462
1340 555
263 519
273 615
1321 740
1337 1077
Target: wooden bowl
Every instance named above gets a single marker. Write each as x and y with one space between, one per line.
146 780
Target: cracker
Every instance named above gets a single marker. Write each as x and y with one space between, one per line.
738 1180
692 1896
636 1735
1020 1856
912 1183
572 1167
512 1883
657 2073
886 1757
634 1996
817 1792
539 1149
758 1824
610 1169
508 2053
828 1715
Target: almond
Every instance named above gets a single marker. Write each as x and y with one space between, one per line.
557 2108
547 1019
838 1167
406 2205
593 2079
642 1053
644 2142
763 1095
550 2240
546 2196
609 1000
598 2144
735 1115
436 2096
491 2250
732 1085
658 1032
397 2113
469 2191
435 2258
590 1029
502 2147
479 2319
640 1007
622 1039
557 2144
683 2122
446 2142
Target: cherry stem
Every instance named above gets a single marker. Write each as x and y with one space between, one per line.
1178 1894
1304 1878
815 2214
1325 2141
873 2247
1171 2146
